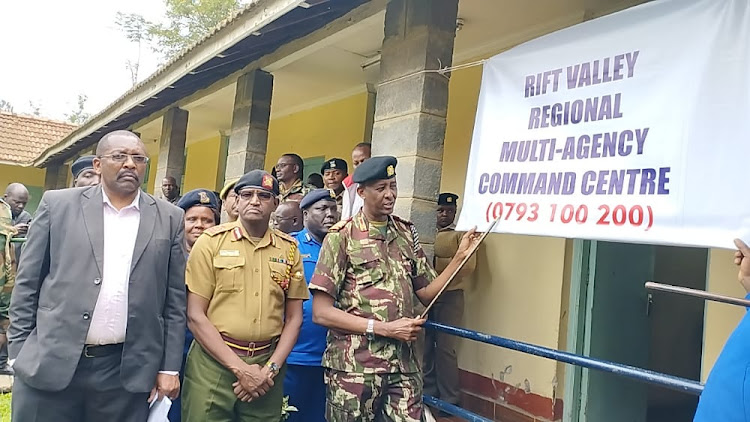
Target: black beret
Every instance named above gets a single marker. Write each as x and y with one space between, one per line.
199 197
81 164
375 168
335 164
446 198
317 195
258 179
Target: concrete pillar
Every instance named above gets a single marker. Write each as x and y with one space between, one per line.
56 177
411 107
250 117
172 147
370 112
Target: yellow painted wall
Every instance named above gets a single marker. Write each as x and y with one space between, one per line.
720 319
517 289
32 177
201 164
331 130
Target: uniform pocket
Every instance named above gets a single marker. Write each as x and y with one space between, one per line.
367 271
278 272
229 272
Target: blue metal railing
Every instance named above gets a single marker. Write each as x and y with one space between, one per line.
453 409
639 374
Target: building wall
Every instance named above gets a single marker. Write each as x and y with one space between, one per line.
201 165
331 130
32 177
720 319
513 294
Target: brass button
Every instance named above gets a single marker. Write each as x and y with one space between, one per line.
256 293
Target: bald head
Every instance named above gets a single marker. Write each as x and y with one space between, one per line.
121 163
112 140
169 188
17 196
288 217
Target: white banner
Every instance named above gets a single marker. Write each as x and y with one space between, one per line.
633 127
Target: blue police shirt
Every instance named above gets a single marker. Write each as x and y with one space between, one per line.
311 342
726 397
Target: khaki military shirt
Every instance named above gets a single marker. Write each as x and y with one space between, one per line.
246 284
447 241
372 276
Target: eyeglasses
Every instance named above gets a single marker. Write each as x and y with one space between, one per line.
280 166
122 158
262 196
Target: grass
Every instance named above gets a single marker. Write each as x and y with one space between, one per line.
5 407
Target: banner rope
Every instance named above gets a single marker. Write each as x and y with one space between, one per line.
440 71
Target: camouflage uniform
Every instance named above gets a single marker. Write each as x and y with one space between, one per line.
372 276
7 260
296 191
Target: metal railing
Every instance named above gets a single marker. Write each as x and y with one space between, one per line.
639 374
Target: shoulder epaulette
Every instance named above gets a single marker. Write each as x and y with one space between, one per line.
221 228
402 220
340 225
284 236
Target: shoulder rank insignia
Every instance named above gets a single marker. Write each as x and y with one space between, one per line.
402 220
340 225
221 228
284 236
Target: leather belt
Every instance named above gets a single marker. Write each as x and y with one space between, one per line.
248 348
97 351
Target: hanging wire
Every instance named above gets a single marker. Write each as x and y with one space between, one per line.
440 71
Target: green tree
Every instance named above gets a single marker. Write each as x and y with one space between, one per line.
186 22
79 115
135 27
6 106
36 108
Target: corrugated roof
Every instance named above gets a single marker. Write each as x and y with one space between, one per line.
23 138
293 24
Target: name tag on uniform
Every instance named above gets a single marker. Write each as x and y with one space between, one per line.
226 252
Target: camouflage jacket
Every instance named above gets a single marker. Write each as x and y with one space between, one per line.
297 191
372 276
7 255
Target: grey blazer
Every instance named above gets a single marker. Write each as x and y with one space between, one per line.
58 282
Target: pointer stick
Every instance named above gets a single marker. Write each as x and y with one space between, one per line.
697 293
461 265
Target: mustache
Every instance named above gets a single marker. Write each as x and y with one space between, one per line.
124 173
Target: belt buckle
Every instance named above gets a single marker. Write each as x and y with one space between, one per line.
86 351
251 349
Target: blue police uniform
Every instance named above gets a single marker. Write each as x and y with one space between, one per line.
726 397
303 382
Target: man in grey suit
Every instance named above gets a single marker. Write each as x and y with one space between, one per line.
98 308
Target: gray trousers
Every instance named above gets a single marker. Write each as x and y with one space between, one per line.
95 394
440 364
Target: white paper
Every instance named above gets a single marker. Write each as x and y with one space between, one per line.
159 409
676 68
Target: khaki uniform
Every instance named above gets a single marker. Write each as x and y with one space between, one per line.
247 283
441 378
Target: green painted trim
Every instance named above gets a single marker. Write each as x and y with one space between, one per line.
576 326
221 169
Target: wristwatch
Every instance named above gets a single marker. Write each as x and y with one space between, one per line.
370 333
273 367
